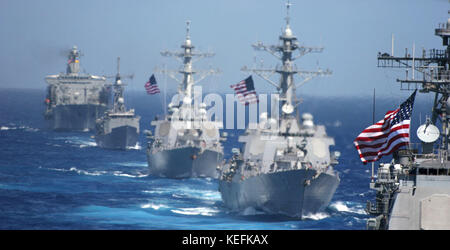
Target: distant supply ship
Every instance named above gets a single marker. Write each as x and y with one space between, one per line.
413 190
119 127
74 100
286 167
185 144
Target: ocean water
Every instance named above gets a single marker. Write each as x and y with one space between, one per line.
62 180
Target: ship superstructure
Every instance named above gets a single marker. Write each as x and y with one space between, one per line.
413 190
185 143
285 166
119 127
75 100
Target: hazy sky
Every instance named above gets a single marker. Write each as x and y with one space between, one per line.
35 35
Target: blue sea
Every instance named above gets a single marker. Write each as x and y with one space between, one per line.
62 180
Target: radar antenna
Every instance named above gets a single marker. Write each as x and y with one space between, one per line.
285 52
433 67
186 56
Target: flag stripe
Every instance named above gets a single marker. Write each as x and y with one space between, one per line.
151 86
370 158
245 91
370 137
386 144
387 135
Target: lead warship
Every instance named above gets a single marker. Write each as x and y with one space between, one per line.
185 144
119 127
285 168
413 190
74 100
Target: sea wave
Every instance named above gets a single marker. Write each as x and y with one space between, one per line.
135 147
185 192
341 206
154 206
84 172
78 171
13 127
316 216
77 141
5 128
120 173
132 164
250 211
204 211
97 172
196 194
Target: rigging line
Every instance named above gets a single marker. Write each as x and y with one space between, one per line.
165 92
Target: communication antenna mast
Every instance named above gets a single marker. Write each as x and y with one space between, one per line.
186 56
285 52
435 71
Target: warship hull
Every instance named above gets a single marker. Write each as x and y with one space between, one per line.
74 117
184 162
287 193
119 138
424 206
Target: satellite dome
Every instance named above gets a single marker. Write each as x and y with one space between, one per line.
120 100
287 108
187 100
263 116
307 117
308 123
288 32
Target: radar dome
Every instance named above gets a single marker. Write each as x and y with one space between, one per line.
288 32
187 100
307 117
263 116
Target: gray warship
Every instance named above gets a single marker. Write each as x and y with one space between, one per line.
185 143
413 190
119 127
74 100
286 167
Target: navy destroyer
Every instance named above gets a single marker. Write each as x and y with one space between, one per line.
413 190
185 143
74 100
286 167
119 127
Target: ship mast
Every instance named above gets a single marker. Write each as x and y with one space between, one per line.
433 66
73 63
119 103
285 52
185 89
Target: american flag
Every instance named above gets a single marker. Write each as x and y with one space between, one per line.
151 86
387 135
245 91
